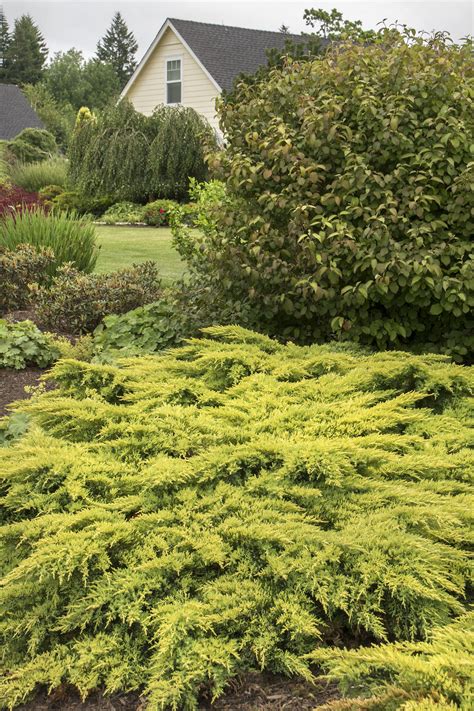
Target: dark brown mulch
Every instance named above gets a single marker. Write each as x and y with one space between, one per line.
13 383
253 692
24 315
266 692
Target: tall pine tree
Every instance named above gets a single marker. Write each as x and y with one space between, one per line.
118 48
4 44
26 53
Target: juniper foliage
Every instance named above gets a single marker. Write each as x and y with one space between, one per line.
235 503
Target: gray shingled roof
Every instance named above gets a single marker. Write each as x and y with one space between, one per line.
226 51
15 112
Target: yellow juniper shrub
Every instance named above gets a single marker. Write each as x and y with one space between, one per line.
172 520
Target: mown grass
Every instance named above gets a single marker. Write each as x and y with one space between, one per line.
122 246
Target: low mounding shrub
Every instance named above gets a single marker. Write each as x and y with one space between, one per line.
71 239
72 201
157 213
19 268
35 176
16 200
147 329
176 520
129 212
76 303
162 213
23 344
352 204
33 144
49 192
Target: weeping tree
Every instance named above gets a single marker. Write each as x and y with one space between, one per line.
176 153
125 155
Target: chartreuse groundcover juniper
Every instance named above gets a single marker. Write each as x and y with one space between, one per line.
233 504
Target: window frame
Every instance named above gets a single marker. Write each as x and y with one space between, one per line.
174 58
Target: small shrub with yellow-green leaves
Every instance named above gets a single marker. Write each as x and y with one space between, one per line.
173 520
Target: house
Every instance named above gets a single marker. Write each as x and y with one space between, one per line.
15 112
191 63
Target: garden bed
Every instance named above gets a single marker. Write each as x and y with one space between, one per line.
264 692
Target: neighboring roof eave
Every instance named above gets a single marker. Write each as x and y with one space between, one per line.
166 25
16 112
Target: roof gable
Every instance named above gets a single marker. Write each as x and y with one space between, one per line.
15 112
222 52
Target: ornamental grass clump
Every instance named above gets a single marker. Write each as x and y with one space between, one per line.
35 176
70 238
233 504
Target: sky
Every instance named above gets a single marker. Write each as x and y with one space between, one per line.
68 23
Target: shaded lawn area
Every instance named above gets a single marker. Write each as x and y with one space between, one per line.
123 246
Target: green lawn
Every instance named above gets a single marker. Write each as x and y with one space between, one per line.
122 246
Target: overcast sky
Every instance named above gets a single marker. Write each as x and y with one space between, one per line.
68 23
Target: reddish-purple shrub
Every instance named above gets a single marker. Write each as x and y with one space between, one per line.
14 199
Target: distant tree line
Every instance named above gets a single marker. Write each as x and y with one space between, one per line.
59 88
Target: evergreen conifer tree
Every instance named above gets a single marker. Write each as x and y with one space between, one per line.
118 47
26 53
4 43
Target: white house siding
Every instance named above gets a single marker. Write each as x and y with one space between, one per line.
149 88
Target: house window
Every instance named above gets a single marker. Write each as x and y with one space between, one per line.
173 81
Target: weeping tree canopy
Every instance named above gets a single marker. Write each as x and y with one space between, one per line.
128 156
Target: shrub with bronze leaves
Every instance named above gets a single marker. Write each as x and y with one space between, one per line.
19 268
76 302
175 520
352 203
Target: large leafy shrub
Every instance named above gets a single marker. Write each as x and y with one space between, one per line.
35 176
131 157
19 268
33 144
23 344
71 239
350 201
76 302
232 504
